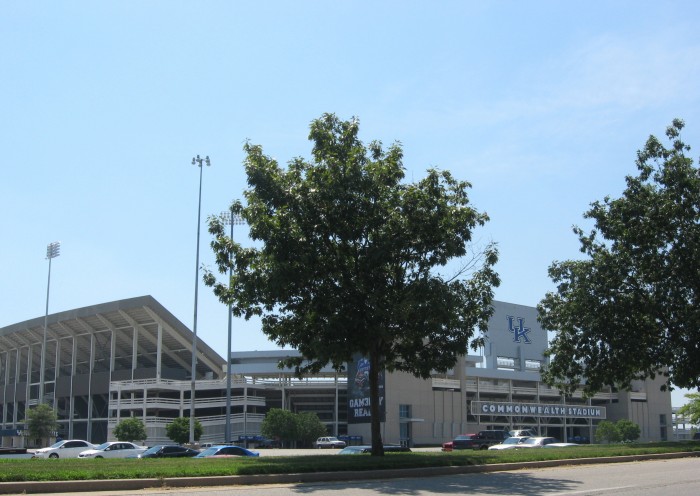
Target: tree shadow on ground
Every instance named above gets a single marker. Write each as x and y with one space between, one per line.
522 483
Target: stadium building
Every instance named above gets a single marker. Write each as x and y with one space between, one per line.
133 358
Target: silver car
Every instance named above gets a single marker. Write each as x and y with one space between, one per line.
329 442
510 443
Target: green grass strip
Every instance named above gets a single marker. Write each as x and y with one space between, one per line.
17 470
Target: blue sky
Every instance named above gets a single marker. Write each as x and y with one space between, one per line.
541 105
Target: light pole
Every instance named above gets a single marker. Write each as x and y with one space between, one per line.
198 162
52 251
233 220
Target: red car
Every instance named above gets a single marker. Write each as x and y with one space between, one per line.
463 441
482 440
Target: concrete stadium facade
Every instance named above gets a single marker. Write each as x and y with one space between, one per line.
133 358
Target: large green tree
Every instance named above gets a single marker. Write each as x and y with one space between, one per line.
41 422
691 409
349 259
631 308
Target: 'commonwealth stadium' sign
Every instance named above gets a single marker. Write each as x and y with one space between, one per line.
537 410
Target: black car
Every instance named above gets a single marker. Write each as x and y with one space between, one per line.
168 451
388 448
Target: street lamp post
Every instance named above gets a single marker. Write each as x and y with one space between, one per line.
233 220
198 162
52 251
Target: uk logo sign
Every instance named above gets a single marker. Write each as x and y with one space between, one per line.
519 331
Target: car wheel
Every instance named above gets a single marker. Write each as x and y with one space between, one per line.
53 455
98 457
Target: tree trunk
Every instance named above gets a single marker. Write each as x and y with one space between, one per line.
375 407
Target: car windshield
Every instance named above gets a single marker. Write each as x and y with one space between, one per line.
154 449
352 449
512 440
102 446
58 444
209 451
532 440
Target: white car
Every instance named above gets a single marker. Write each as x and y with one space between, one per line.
114 449
544 442
70 448
510 443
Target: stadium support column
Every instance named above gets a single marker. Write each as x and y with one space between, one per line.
159 352
462 376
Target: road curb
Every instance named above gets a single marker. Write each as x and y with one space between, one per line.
37 487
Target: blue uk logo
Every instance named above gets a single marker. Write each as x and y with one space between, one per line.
519 331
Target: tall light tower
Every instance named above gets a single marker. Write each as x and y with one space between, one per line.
52 251
198 162
232 220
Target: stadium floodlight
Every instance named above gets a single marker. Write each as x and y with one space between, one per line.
198 161
52 251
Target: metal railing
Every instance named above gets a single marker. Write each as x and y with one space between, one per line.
175 403
472 386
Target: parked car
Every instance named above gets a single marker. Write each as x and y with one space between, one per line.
510 443
388 448
226 451
69 448
269 443
544 442
482 440
113 449
168 451
462 441
522 432
329 442
496 436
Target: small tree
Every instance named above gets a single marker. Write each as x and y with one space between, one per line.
309 427
627 430
279 424
606 432
41 422
179 430
615 432
130 429
691 410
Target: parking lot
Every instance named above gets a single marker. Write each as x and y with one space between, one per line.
307 452
266 452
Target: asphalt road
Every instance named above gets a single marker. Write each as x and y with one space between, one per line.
677 477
